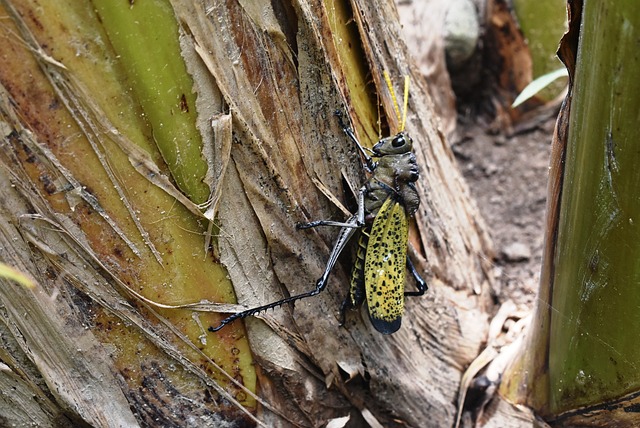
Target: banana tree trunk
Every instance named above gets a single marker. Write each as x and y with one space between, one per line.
156 156
579 363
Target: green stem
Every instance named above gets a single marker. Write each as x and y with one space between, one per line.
145 36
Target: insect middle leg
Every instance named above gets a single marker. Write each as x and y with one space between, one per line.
355 221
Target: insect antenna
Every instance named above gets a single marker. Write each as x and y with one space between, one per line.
405 103
402 118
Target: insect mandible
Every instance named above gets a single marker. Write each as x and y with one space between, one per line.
385 203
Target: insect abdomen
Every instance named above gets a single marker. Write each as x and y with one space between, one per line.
356 289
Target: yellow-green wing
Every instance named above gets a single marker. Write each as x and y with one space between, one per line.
384 267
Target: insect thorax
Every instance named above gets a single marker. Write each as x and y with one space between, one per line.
394 176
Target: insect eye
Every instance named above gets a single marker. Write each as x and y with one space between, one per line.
398 141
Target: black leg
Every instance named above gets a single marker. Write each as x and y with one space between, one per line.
421 283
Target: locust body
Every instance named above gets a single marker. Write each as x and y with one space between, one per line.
385 202
390 198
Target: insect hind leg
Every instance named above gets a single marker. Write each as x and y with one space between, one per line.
320 285
326 223
346 233
420 283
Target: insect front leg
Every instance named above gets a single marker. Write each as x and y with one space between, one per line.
369 164
420 283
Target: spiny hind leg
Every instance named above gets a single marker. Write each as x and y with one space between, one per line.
345 235
320 285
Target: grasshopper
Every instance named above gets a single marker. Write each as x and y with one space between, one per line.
385 203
